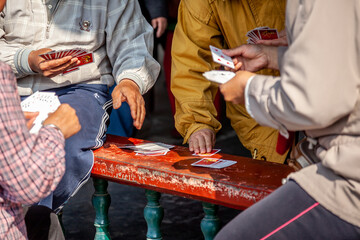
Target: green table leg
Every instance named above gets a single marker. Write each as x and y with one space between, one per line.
153 214
101 201
210 224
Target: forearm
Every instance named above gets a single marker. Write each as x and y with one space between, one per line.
129 48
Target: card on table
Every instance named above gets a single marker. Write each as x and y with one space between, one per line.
221 58
213 152
219 76
213 163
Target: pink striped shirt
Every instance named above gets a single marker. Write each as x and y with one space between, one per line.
31 166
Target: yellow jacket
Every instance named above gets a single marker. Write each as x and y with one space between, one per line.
223 24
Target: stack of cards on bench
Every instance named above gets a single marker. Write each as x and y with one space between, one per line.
149 149
261 33
82 55
213 163
42 102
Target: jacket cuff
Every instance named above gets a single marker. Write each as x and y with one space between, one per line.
21 61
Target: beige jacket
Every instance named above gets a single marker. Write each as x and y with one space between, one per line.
319 92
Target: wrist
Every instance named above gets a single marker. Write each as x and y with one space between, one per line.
272 57
53 126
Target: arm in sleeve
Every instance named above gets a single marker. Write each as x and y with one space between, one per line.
129 45
319 81
14 54
191 57
31 166
156 8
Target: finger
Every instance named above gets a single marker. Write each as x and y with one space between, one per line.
30 122
208 143
158 32
117 100
138 114
234 51
238 66
29 115
142 115
195 146
154 23
202 144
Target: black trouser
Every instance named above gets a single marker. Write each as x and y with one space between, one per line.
42 224
288 213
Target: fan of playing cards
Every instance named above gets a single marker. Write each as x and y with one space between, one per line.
42 102
82 55
261 33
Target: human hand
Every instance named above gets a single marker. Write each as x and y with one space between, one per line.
65 119
281 41
50 68
160 24
233 90
127 90
252 58
202 141
30 118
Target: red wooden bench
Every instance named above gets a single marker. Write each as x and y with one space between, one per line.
237 186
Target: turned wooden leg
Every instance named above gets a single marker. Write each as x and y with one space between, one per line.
210 224
101 201
153 214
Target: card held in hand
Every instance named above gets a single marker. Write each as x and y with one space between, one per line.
219 76
221 58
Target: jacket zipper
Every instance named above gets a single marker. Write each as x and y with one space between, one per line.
50 19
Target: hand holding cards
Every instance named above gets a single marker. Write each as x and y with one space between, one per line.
220 76
42 102
82 55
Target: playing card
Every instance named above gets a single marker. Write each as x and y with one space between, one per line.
268 34
213 163
261 33
221 58
42 102
219 76
213 152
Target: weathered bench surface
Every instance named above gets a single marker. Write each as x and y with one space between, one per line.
237 186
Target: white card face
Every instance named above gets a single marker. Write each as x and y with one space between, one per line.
219 76
42 102
221 58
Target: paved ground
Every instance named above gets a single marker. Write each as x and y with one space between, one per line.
182 216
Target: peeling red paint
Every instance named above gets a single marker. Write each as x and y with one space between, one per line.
237 186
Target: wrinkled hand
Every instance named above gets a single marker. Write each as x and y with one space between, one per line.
252 58
248 57
233 90
281 41
50 68
160 24
202 141
30 118
127 90
65 119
